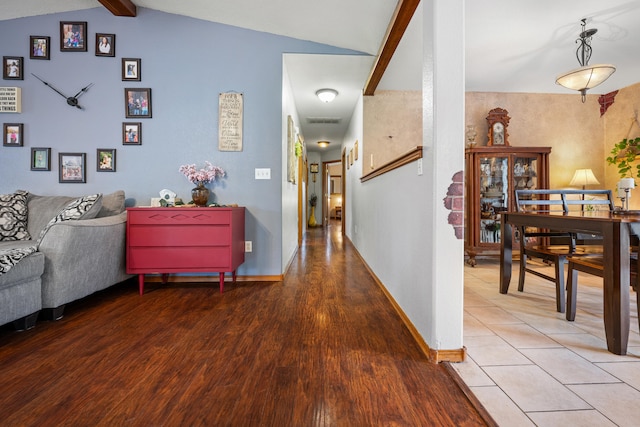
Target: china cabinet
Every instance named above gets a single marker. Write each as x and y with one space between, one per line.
492 175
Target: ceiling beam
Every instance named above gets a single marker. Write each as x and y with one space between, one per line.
120 7
398 25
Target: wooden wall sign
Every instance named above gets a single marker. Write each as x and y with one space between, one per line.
10 100
230 114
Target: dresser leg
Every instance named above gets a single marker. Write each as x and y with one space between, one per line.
141 283
233 275
221 282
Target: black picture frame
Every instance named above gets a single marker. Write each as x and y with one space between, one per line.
73 36
131 133
106 160
137 103
41 159
72 168
13 134
105 44
131 70
39 47
13 67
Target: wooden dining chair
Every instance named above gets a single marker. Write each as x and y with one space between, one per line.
536 243
595 266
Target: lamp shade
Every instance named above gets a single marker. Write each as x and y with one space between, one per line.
583 177
587 77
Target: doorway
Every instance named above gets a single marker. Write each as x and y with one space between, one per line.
332 192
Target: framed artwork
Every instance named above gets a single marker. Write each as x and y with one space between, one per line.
39 47
13 67
355 153
72 168
106 160
73 36
137 103
13 135
41 159
131 70
131 133
105 44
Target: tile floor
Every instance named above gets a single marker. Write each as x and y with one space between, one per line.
529 366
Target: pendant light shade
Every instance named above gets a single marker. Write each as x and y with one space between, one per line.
587 76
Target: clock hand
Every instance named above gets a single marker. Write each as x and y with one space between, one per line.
83 90
47 84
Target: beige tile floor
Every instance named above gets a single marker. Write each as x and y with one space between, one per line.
529 366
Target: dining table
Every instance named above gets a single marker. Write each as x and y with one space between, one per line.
616 229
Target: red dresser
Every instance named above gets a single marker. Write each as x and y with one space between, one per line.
184 240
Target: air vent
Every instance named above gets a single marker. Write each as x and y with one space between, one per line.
323 120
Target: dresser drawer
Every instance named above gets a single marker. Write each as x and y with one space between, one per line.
158 259
179 235
175 216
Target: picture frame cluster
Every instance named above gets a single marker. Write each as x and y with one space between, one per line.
74 37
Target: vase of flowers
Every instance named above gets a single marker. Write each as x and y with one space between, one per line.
201 177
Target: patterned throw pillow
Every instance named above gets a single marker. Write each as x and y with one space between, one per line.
13 216
82 208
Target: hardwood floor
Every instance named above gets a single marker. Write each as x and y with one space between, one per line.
322 348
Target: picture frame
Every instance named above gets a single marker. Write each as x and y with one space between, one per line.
39 47
105 44
41 159
13 135
131 71
137 103
72 168
106 160
73 36
131 133
13 68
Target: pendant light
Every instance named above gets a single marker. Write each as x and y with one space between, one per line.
587 76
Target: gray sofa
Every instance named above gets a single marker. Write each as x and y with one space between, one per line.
74 259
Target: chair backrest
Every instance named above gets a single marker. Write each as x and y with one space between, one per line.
547 200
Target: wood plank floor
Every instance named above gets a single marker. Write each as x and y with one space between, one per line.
322 348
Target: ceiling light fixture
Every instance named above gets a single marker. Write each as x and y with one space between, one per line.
323 143
326 95
586 77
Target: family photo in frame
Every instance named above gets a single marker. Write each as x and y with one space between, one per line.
105 44
72 168
13 135
41 159
131 133
12 67
39 47
137 102
73 36
106 160
131 69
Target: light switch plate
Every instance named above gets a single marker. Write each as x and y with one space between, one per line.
263 173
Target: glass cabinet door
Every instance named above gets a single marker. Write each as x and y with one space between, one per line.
525 176
494 189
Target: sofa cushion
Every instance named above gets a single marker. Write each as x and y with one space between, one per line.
42 209
80 208
112 204
14 216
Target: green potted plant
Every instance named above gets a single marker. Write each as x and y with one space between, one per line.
624 155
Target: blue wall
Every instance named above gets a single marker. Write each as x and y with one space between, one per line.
187 63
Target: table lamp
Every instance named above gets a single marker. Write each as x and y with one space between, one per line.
583 177
624 186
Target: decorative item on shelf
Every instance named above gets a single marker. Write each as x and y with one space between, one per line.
312 215
471 135
624 186
623 156
201 177
587 76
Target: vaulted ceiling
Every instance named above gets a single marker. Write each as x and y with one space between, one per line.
510 46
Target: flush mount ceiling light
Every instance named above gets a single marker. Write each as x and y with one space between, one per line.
326 95
587 76
323 143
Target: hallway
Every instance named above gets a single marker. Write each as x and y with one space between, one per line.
322 348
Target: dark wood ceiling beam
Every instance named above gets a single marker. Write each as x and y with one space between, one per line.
120 7
398 25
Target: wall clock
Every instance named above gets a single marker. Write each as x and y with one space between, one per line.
497 121
71 100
